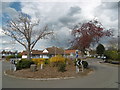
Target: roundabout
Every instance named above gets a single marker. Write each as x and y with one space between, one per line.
48 73
104 76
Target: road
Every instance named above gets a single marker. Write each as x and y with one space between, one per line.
104 76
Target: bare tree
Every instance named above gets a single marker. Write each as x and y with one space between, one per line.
26 32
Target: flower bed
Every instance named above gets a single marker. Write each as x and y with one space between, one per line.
49 72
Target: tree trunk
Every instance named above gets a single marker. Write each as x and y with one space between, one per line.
29 53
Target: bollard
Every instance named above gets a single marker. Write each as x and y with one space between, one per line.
41 66
33 67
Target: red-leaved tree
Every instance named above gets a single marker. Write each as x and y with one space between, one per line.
88 33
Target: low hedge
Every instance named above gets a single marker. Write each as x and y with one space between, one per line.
24 63
112 54
85 64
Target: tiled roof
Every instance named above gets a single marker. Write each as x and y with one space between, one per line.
70 51
33 52
55 50
51 50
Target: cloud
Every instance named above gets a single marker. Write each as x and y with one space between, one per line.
7 10
1 32
107 14
74 10
62 15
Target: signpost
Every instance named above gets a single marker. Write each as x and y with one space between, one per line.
81 65
78 63
77 68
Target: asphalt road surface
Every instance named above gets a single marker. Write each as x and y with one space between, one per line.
104 76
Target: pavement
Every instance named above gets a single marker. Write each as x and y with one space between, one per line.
104 76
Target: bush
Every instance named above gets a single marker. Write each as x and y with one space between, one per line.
118 56
100 49
46 61
112 54
69 61
61 67
13 56
85 64
24 63
38 61
9 57
56 60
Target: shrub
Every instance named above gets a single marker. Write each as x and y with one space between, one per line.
46 61
118 56
61 67
13 56
85 64
38 61
56 60
9 57
69 61
24 63
112 54
19 56
100 49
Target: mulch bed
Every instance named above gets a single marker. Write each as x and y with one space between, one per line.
49 72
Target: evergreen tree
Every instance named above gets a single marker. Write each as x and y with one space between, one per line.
100 49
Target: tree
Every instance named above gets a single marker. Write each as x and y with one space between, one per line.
113 44
100 49
26 31
88 33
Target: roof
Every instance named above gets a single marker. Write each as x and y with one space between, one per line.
33 52
51 50
55 50
70 51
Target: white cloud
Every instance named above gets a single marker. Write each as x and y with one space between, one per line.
1 32
65 14
11 12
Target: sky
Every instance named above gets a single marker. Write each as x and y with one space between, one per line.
61 16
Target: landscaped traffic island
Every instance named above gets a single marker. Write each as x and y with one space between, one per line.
49 72
56 67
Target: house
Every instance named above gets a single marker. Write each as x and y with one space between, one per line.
46 53
4 53
88 52
71 53
52 51
35 54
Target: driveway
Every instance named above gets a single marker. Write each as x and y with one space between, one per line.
104 76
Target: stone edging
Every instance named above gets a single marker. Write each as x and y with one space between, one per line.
109 64
42 79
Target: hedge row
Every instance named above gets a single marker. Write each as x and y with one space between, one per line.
112 54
